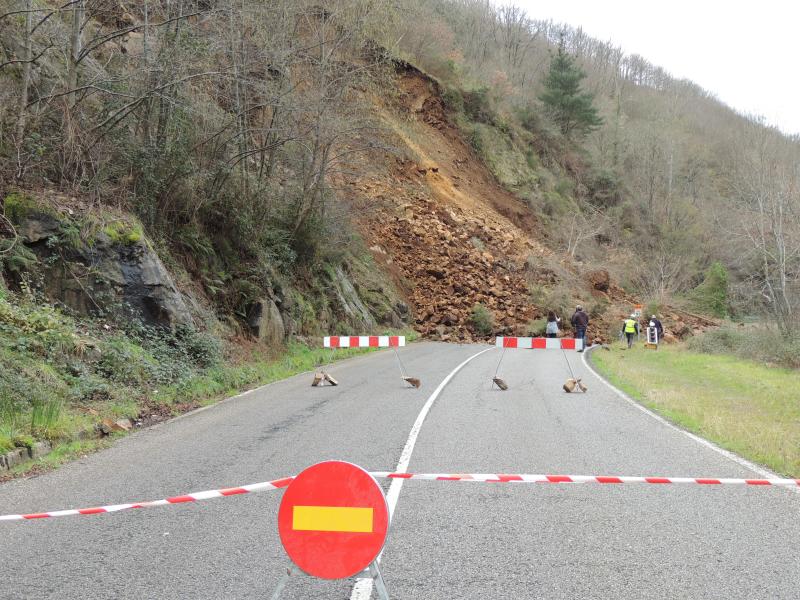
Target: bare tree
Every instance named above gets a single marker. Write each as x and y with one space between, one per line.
766 187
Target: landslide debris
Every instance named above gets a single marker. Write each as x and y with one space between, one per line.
454 264
452 237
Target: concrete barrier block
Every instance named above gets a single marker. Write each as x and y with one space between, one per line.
17 457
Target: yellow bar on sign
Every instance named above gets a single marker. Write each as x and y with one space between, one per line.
332 518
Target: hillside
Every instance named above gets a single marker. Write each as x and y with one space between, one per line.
441 221
189 186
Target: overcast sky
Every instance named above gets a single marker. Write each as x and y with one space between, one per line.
745 52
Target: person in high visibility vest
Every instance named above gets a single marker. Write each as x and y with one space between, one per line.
630 327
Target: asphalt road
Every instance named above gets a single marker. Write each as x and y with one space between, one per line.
448 540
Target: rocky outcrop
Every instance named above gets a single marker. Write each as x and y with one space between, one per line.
265 322
347 304
115 269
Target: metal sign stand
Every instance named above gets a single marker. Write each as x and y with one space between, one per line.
496 380
380 586
373 570
412 381
321 373
577 381
281 584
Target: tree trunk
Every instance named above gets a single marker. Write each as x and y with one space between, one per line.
26 72
76 45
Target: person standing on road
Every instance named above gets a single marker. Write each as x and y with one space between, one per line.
630 327
580 321
552 325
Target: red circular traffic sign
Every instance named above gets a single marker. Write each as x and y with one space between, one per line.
333 520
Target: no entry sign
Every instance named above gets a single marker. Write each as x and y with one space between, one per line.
333 520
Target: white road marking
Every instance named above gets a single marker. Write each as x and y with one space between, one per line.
362 590
743 462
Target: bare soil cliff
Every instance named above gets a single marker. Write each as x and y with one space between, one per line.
452 237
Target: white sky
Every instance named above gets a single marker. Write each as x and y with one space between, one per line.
747 53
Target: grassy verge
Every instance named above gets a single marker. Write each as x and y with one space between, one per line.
741 405
61 377
226 380
215 384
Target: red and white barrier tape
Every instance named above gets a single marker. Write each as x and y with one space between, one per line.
521 478
532 343
465 477
364 341
193 497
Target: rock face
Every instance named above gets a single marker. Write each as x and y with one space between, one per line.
98 277
347 304
265 322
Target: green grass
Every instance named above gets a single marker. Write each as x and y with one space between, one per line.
61 454
741 405
62 421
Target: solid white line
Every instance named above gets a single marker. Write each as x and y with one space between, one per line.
362 590
743 462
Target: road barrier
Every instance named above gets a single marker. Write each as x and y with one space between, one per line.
278 484
265 486
363 341
604 479
538 343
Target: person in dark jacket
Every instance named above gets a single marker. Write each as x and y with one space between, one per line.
580 321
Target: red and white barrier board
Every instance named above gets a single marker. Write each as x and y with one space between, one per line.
536 343
364 341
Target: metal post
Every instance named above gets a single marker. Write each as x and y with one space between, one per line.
569 366
399 363
380 586
281 584
497 370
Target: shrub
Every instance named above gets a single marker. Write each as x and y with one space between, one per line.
475 139
599 308
477 106
203 349
711 296
16 206
482 319
652 308
122 232
453 100
754 343
536 328
604 188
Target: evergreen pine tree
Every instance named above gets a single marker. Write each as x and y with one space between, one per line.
569 106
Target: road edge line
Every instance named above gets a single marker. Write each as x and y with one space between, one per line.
741 461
